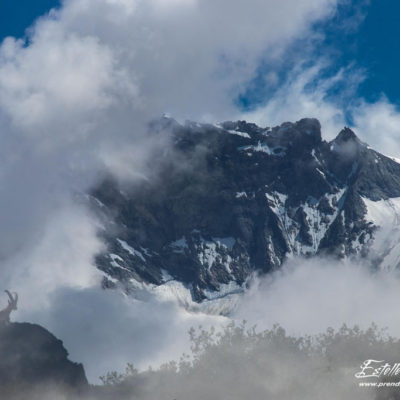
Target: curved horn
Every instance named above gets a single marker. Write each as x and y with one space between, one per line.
10 295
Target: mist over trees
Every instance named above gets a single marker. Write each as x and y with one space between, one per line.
239 363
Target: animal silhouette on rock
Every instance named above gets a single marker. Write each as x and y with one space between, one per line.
12 305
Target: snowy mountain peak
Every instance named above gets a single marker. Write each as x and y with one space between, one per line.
243 199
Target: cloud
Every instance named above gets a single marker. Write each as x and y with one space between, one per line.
304 94
186 57
55 83
307 296
61 256
309 91
105 331
379 125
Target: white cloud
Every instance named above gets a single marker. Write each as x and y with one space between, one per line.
379 125
105 331
293 101
60 257
305 93
307 296
190 57
42 79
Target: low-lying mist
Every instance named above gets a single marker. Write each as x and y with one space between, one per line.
106 330
238 362
308 295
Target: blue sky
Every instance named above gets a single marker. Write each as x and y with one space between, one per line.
17 15
374 45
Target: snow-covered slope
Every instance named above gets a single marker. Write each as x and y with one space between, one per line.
385 246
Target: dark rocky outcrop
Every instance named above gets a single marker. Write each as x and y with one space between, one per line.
32 358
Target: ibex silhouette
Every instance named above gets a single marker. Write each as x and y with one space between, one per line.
12 305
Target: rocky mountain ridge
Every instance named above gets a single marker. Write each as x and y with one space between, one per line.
234 198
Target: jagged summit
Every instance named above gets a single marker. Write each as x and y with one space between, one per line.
310 126
346 135
242 199
348 146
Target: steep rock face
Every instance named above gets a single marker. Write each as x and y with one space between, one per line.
235 198
31 356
